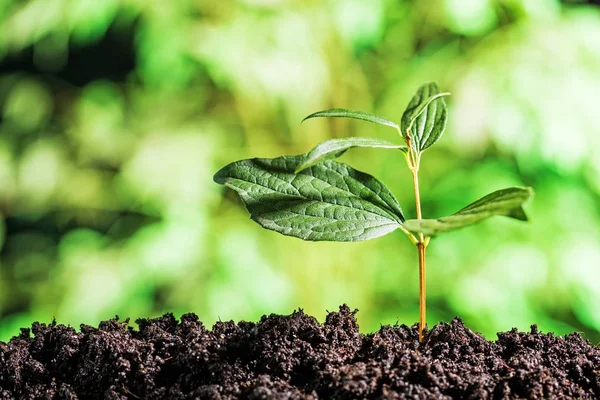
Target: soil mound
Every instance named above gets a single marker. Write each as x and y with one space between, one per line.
292 357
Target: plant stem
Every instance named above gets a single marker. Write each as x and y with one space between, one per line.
421 249
414 161
422 289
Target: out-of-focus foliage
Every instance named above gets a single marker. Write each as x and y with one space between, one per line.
115 114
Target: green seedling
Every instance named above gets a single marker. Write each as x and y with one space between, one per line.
313 197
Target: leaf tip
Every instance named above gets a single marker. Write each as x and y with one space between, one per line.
530 191
316 115
518 213
310 116
219 177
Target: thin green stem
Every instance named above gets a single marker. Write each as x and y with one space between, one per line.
422 289
422 265
414 161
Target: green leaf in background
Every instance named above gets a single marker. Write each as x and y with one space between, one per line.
506 202
425 117
326 202
336 147
345 113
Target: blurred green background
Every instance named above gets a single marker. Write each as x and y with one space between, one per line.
115 114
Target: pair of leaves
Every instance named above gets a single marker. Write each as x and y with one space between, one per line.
331 201
423 124
423 121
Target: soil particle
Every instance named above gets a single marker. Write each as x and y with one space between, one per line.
292 357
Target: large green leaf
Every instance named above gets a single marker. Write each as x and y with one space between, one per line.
345 113
336 147
506 202
329 201
425 117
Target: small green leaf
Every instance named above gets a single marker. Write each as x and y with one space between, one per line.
336 147
345 113
505 202
425 117
329 201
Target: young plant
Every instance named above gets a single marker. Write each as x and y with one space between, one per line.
313 197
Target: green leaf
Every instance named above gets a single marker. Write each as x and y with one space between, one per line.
345 113
336 147
505 202
328 201
425 117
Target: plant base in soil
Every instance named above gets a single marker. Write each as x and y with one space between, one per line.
292 357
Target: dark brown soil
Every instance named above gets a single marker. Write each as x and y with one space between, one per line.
292 357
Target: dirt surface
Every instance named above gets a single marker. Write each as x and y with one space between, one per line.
292 357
